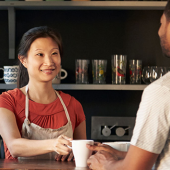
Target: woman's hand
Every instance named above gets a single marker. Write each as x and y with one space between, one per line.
61 145
69 157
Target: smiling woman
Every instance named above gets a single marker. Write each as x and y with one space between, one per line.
36 35
37 122
43 61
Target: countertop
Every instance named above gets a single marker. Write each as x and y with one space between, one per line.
37 165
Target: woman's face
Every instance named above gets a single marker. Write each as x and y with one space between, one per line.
43 60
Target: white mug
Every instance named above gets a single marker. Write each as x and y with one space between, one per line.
121 146
10 74
81 152
58 78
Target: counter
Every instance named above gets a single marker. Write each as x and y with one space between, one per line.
37 165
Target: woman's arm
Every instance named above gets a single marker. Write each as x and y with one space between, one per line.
80 131
24 147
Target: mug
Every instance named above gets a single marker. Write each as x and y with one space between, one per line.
121 146
10 74
58 77
81 152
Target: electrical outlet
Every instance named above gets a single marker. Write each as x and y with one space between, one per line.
112 128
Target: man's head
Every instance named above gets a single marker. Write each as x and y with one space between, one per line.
164 31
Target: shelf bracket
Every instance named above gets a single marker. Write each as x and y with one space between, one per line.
11 29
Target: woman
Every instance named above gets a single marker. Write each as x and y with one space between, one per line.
37 122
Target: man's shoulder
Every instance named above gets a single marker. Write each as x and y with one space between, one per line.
163 82
159 88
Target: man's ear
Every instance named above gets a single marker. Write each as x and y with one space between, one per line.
23 60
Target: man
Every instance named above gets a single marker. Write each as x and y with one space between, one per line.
150 142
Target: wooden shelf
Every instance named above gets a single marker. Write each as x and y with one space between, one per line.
12 6
86 5
86 86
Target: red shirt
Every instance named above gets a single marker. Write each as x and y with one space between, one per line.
45 115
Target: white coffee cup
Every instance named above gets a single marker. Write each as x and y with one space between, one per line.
121 146
58 78
81 152
10 74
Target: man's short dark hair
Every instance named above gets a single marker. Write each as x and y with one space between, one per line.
167 10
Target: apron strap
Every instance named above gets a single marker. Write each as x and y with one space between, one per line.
27 105
64 106
26 102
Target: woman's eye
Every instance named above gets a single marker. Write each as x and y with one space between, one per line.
55 53
40 54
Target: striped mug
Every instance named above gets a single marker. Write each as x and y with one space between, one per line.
10 74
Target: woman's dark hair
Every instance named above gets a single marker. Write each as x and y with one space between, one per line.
24 46
167 10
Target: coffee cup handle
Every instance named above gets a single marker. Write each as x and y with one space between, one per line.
2 77
69 146
62 70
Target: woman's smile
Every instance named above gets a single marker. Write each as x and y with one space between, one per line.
47 71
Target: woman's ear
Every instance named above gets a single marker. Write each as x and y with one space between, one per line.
23 60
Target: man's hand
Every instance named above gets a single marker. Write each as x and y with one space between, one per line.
107 148
102 160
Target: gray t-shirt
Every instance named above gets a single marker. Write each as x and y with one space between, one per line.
152 128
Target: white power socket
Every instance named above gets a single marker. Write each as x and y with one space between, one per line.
112 128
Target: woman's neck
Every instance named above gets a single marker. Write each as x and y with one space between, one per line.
41 92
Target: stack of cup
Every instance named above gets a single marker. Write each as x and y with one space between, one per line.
99 71
135 68
118 64
157 72
82 67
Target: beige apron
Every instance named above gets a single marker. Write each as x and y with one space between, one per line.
34 132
